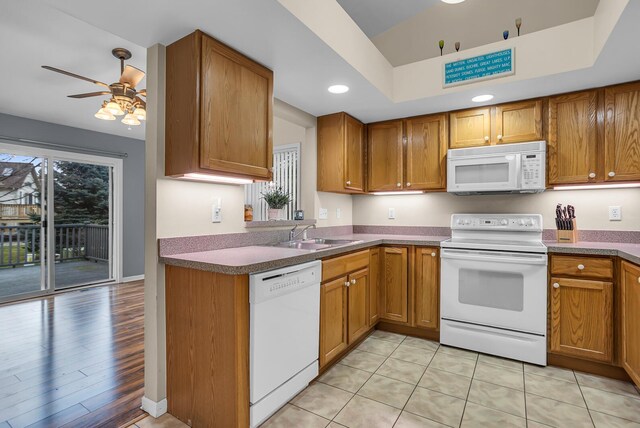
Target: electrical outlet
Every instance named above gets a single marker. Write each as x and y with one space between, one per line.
323 214
392 213
216 214
338 213
615 213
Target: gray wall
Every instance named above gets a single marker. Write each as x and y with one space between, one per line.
133 171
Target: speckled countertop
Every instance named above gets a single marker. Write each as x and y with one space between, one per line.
251 259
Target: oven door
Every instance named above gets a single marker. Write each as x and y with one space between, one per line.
499 289
495 173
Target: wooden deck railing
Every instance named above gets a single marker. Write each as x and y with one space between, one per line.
20 245
18 211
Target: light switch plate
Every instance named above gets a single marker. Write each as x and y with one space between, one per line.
338 213
392 213
615 213
323 214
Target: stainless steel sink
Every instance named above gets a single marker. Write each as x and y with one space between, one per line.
314 244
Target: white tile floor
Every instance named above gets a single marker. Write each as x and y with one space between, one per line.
395 381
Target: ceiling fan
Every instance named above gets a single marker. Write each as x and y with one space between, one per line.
125 99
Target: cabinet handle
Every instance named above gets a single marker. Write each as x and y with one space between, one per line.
556 285
612 174
433 254
398 184
353 281
408 184
499 137
348 182
639 280
346 284
486 138
592 175
581 267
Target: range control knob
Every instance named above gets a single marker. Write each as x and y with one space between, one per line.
504 222
467 222
459 222
521 222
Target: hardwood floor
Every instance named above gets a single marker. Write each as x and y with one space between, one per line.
74 359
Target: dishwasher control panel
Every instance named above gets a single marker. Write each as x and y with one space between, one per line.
268 285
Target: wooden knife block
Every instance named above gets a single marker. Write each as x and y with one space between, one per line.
569 236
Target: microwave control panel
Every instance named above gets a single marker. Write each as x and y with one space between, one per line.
533 170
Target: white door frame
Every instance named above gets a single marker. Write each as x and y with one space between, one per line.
116 200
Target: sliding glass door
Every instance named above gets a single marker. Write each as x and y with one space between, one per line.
57 221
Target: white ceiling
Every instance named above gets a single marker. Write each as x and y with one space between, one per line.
376 16
304 66
33 34
472 23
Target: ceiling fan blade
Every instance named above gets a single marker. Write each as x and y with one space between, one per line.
131 75
77 76
90 94
142 92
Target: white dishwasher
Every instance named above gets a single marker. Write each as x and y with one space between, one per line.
284 335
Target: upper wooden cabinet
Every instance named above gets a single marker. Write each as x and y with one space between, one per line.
518 122
426 153
630 283
470 128
427 287
219 111
385 156
622 132
394 284
506 123
341 152
572 140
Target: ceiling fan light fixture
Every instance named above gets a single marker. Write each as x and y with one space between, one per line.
104 115
130 120
140 113
114 108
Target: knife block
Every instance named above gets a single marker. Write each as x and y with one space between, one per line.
569 236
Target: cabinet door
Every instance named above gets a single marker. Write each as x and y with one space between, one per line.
236 116
582 318
385 156
394 284
374 288
622 133
518 122
470 128
358 304
354 154
333 319
426 153
427 277
572 138
631 320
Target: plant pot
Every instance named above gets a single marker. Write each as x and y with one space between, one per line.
276 214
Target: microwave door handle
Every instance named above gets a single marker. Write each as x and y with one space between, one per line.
530 259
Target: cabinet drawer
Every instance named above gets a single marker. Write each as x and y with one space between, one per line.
578 266
344 264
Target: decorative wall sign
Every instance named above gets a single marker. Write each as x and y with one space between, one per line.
482 67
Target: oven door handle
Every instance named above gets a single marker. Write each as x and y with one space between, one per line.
491 256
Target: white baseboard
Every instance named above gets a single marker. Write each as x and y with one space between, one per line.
155 409
132 278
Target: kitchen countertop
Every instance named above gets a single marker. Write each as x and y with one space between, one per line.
252 259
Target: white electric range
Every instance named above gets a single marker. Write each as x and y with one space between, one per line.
493 296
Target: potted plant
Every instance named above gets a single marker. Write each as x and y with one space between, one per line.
276 199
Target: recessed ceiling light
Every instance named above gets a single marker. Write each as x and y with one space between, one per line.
482 98
453 1
338 89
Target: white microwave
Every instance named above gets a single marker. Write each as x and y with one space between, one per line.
507 168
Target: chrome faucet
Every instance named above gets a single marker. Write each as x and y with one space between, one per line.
293 235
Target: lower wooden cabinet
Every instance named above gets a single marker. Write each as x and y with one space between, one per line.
394 284
630 283
582 318
427 287
374 285
358 304
333 319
